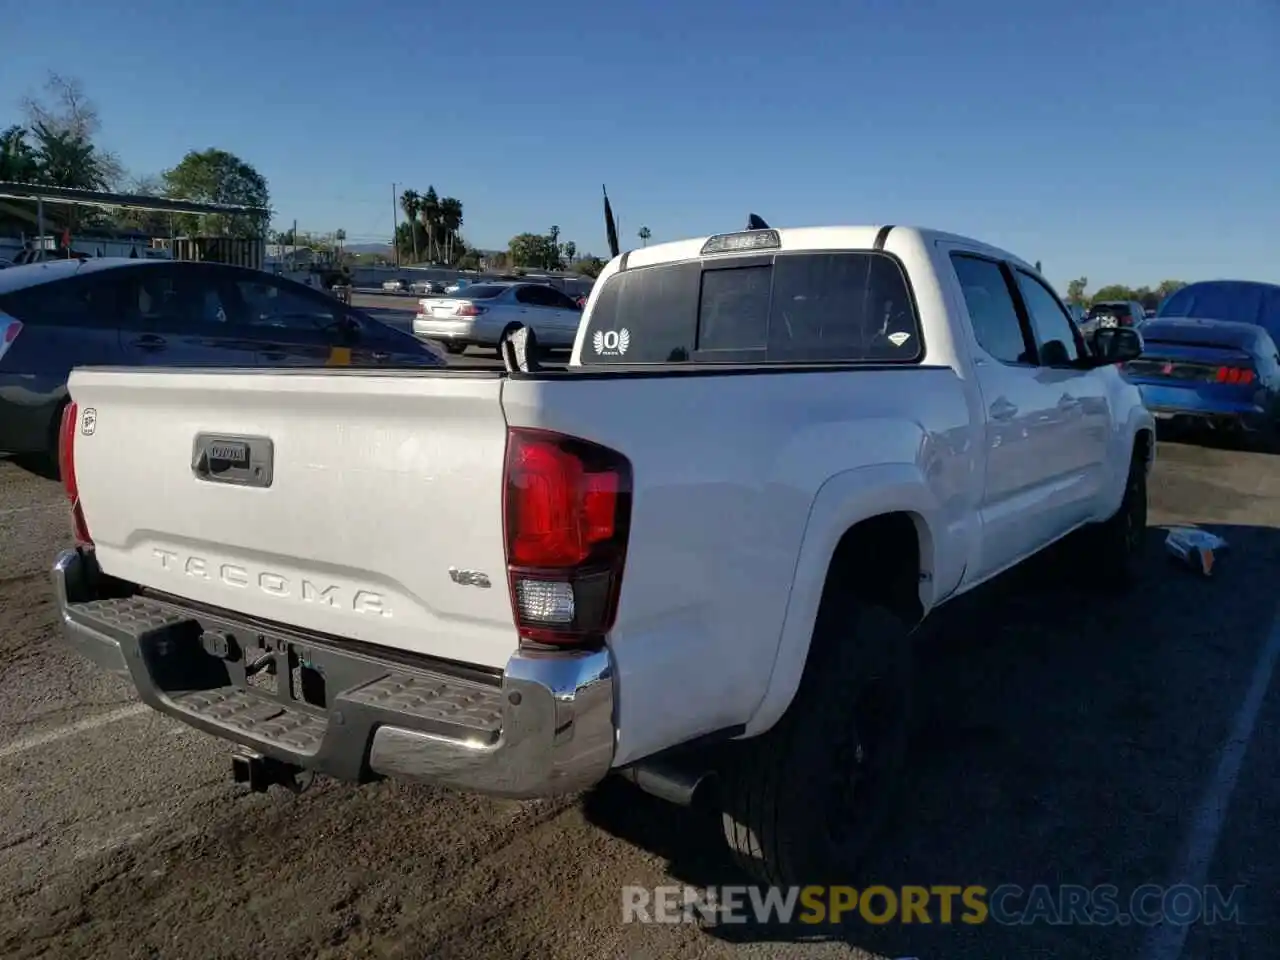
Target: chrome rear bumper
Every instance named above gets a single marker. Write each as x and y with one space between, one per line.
545 727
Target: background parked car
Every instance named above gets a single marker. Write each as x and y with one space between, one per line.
395 286
1209 373
1210 357
484 314
1112 313
124 312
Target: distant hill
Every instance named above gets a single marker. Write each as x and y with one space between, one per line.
367 247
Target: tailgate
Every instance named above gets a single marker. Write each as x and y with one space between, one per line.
379 485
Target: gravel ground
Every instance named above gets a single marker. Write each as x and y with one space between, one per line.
1063 739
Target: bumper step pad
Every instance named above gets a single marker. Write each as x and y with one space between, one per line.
171 664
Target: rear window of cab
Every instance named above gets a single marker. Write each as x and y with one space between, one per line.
814 307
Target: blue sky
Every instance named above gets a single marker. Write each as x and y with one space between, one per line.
1126 142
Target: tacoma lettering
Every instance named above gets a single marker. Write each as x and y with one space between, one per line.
360 601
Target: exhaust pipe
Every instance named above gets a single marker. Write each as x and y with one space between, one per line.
666 781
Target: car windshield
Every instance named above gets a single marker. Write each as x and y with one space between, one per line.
1238 300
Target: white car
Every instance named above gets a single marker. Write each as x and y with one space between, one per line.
486 314
700 550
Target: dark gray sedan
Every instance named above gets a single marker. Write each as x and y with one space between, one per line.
124 312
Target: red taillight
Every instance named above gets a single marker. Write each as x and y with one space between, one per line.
67 467
1240 375
567 514
468 310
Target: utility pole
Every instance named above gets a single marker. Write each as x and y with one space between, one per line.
395 224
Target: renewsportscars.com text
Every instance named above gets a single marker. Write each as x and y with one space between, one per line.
1007 905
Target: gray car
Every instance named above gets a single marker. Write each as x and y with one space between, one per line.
485 314
113 311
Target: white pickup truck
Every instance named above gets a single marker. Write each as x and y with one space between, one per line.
693 557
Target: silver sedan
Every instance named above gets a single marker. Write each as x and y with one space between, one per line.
485 314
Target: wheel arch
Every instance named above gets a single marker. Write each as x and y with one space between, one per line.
885 511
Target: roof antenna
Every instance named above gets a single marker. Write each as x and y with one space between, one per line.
756 222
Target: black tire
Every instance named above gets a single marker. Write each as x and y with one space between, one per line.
1113 553
802 802
454 348
50 462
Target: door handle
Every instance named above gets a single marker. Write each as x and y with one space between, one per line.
380 355
1002 409
148 341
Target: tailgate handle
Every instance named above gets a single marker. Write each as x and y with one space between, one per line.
241 461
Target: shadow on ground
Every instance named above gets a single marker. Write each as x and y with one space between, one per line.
1063 736
1217 439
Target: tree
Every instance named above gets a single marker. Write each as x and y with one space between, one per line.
411 204
216 176
1168 288
340 238
1114 291
430 216
66 113
570 251
450 224
588 266
18 161
644 234
534 250
66 160
1075 290
151 222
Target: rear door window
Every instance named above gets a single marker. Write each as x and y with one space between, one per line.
90 301
792 307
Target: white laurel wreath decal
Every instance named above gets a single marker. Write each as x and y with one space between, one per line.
597 341
624 340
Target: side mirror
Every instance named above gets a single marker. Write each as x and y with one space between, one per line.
1116 345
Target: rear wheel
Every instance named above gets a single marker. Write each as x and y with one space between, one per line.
802 802
509 332
455 348
46 463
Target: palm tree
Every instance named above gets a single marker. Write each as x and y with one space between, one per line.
18 160
644 235
430 215
570 251
411 204
341 238
451 221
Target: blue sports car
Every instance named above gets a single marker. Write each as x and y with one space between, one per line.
1210 357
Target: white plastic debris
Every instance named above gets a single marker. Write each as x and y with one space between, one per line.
1198 549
